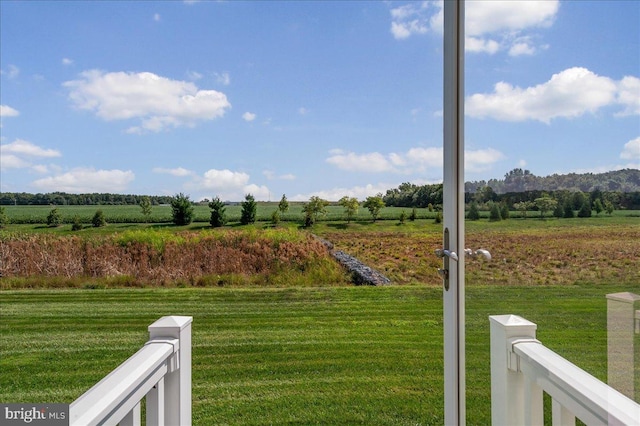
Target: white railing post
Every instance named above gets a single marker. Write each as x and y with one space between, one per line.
507 386
177 382
622 349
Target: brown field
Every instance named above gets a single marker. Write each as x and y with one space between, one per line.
534 256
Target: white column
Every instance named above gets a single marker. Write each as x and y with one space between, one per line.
177 383
453 200
155 405
560 416
622 348
132 418
507 385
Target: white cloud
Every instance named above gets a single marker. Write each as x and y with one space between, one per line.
629 95
223 78
485 17
7 111
178 171
481 160
523 46
19 154
10 161
415 160
372 162
259 192
227 184
26 148
223 180
334 194
478 45
67 61
570 93
631 150
157 17
248 116
411 19
490 26
158 102
303 111
11 72
83 180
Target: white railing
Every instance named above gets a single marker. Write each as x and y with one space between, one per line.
522 369
160 370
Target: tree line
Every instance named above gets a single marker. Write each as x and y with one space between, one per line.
519 180
64 199
410 195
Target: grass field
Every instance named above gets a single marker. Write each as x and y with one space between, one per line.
202 213
336 355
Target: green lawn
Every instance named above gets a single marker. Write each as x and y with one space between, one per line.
335 355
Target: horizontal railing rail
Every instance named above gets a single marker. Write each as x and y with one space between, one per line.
522 369
159 371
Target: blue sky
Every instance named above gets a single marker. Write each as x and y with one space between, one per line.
307 98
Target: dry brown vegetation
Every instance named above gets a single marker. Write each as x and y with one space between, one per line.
535 256
190 258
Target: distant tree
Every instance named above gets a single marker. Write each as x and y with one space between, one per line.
249 210
76 225
608 207
351 206
578 199
568 210
403 217
494 213
438 218
474 212
314 208
218 214
98 219
414 213
545 204
145 207
182 210
485 194
283 205
504 211
558 211
54 218
4 219
597 206
275 217
523 207
585 210
374 205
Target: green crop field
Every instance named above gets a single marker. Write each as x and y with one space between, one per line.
335 355
22 214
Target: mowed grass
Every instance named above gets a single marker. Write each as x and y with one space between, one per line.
334 355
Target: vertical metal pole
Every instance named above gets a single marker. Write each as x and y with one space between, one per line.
453 199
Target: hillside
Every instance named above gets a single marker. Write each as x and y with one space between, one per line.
518 180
